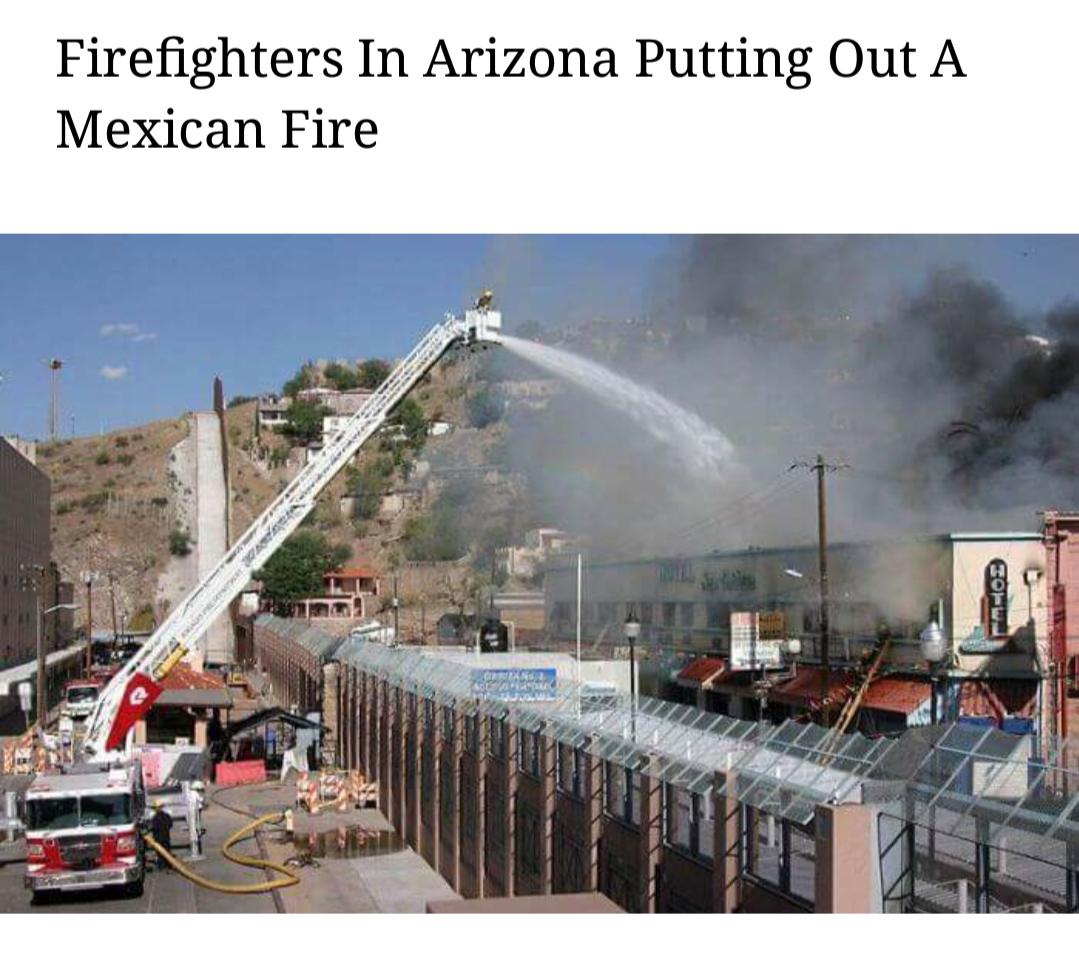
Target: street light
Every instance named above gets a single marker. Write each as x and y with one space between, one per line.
42 673
934 650
632 631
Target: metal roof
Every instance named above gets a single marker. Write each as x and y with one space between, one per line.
318 642
785 770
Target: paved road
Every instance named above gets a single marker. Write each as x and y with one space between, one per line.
166 891
356 870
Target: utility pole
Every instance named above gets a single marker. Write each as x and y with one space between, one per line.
822 554
396 608
54 365
112 601
820 466
32 579
88 577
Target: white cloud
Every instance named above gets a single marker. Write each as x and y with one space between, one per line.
127 330
111 373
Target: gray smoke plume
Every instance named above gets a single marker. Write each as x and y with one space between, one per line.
947 407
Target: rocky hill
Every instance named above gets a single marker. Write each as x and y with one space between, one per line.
427 504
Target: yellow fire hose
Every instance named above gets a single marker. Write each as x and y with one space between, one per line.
287 879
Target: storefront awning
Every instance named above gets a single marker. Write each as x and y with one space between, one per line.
701 672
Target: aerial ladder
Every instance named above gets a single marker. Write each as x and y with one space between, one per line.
133 690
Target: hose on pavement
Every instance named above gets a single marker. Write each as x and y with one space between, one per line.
287 879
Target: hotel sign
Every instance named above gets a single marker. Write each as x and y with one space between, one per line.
996 597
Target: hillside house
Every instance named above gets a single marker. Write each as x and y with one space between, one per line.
349 593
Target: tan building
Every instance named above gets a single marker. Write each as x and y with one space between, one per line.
992 586
350 593
24 540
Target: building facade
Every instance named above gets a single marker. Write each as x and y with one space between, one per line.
24 541
989 588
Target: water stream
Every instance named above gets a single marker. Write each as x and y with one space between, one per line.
696 443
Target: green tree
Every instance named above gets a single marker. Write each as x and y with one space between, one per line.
372 373
367 486
179 542
435 537
303 420
296 569
410 417
302 379
341 376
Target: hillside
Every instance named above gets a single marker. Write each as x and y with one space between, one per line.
113 507
429 509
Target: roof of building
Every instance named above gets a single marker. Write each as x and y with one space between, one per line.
186 686
352 572
702 671
904 696
833 546
805 688
998 697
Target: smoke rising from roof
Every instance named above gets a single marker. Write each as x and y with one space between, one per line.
950 407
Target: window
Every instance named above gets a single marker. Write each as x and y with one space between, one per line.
686 611
428 717
449 726
623 794
669 609
646 614
496 741
690 826
472 734
718 615
571 770
528 752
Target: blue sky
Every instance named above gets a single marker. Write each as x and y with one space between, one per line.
145 322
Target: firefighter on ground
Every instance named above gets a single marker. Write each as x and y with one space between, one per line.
161 829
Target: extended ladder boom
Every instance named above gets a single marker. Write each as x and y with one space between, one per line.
134 688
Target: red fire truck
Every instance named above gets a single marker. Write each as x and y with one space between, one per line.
82 829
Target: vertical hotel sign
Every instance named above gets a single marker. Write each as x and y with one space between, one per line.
996 597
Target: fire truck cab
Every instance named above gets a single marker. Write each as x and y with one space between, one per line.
83 829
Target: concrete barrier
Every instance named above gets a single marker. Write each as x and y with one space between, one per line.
229 773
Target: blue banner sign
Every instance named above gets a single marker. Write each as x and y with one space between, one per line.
515 684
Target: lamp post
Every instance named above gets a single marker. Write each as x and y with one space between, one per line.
632 631
89 578
934 650
792 648
42 675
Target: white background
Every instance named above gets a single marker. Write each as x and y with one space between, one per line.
992 152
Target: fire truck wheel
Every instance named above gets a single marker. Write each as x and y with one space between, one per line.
134 890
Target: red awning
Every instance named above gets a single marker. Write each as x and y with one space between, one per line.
804 690
997 697
701 672
904 696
